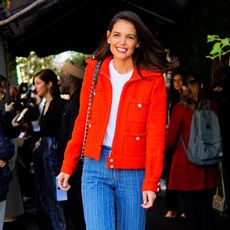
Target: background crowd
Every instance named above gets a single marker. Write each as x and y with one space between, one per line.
39 124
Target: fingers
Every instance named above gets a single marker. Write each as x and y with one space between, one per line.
63 179
148 199
9 107
14 122
2 163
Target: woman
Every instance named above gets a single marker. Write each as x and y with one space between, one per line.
124 149
175 89
174 96
45 155
194 183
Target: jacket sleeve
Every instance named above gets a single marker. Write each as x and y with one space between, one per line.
174 129
6 147
155 135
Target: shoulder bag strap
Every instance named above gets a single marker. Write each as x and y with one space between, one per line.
222 181
94 82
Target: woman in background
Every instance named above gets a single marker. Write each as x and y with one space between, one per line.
174 96
51 212
193 183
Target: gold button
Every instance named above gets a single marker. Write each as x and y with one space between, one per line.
139 105
138 138
111 166
111 160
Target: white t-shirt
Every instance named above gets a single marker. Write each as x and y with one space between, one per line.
117 80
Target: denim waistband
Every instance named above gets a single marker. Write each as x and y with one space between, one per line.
104 147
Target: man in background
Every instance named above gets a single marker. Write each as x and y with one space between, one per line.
71 77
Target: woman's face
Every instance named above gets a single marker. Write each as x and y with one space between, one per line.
177 82
42 89
122 39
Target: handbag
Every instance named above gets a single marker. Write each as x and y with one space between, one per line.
94 82
219 202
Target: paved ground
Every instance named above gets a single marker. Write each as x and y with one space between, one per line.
155 219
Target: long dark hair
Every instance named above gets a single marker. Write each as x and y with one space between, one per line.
149 55
48 75
173 95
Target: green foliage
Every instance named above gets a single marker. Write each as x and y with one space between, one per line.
28 66
78 58
220 48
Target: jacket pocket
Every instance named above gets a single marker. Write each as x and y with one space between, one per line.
135 144
137 110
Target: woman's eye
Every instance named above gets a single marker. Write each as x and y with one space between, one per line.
132 38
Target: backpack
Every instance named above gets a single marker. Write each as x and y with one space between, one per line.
205 143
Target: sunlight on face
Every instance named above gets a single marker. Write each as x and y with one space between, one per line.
122 39
41 87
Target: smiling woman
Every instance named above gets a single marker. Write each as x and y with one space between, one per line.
126 131
45 154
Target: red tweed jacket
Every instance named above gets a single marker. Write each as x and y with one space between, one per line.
139 138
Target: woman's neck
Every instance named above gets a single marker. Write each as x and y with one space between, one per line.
48 97
123 67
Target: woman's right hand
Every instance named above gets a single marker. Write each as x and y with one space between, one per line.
63 179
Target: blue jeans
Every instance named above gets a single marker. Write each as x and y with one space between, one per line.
112 198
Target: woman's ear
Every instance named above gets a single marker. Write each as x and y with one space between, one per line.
50 84
108 35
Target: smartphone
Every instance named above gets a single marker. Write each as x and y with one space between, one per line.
21 115
60 194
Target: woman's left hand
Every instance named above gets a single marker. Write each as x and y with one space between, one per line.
148 199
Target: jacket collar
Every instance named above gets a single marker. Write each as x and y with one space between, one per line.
135 76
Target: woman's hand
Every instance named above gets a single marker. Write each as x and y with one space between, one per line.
63 179
2 163
148 199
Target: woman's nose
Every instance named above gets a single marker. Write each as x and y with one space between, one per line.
123 40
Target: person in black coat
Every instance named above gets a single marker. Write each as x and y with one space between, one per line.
71 77
6 152
45 154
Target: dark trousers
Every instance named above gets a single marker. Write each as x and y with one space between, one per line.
172 196
50 211
197 206
172 200
73 207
